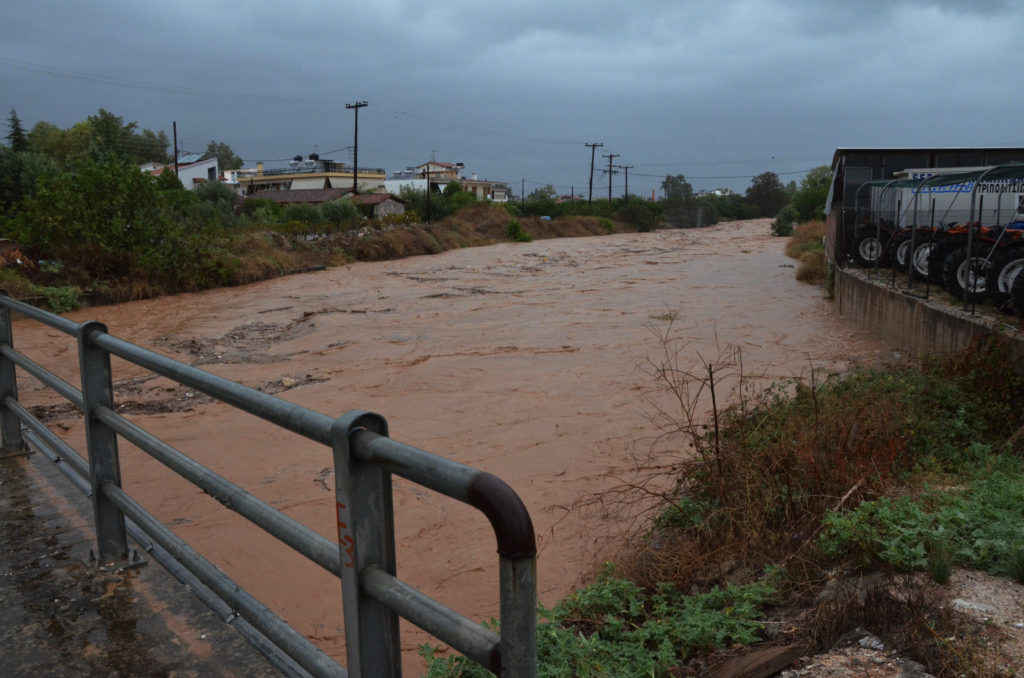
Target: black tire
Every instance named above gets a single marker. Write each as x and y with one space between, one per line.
899 250
868 247
1007 264
957 274
945 246
1017 295
919 258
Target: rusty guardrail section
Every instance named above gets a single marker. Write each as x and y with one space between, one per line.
364 556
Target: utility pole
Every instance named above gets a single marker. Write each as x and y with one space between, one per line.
593 147
610 157
355 152
522 194
175 127
428 190
626 168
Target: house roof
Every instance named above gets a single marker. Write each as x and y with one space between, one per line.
302 195
374 198
157 171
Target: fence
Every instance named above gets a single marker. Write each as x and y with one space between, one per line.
364 556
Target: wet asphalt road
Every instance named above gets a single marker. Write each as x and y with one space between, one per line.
59 616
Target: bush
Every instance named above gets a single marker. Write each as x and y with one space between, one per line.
340 212
514 231
639 215
783 224
303 212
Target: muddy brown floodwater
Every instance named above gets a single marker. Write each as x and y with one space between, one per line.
519 359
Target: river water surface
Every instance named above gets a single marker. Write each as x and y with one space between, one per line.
524 360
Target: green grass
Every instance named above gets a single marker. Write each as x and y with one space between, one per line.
615 628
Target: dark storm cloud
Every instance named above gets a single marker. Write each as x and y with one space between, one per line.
709 89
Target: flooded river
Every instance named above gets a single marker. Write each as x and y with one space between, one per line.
523 360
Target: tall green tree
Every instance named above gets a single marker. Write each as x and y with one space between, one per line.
546 192
107 220
679 207
16 137
676 188
19 176
226 158
767 193
809 199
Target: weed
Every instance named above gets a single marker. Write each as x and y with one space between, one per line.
607 224
60 299
514 231
615 628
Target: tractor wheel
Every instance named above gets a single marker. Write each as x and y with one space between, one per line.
1017 295
899 250
919 259
937 256
961 274
1005 267
868 250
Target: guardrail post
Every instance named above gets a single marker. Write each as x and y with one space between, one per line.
98 389
366 536
10 427
518 617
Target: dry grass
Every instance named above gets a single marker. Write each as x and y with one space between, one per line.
807 246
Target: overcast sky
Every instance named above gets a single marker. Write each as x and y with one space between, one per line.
718 91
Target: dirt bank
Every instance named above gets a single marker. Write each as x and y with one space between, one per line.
520 359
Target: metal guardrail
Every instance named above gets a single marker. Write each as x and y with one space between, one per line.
363 558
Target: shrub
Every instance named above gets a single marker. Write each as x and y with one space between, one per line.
303 212
639 215
514 231
340 212
783 224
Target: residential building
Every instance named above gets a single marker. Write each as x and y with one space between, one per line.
192 170
496 191
311 173
378 204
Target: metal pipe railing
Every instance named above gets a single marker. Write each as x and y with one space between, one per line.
309 656
363 557
309 543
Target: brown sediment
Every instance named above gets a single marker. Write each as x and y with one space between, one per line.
523 360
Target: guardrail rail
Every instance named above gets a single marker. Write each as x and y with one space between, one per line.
363 558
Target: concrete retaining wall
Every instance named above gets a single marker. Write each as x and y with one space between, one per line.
908 323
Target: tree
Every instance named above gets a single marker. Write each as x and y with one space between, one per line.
226 158
105 220
767 194
809 200
100 134
16 137
168 181
19 176
676 188
542 193
340 211
679 208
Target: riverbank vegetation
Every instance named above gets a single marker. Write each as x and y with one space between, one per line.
799 512
80 219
